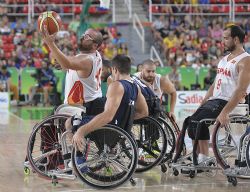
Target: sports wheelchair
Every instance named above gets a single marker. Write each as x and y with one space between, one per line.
226 144
110 156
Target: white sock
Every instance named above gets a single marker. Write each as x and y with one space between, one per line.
201 157
70 164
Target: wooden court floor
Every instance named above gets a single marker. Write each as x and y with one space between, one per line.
14 133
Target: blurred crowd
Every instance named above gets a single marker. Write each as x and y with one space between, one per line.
192 41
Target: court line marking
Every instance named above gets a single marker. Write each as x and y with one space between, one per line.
140 187
14 115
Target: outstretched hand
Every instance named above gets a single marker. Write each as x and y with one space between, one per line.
47 38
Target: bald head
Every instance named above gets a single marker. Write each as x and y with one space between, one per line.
90 41
96 35
148 62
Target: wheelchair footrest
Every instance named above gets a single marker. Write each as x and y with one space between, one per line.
60 175
238 172
239 163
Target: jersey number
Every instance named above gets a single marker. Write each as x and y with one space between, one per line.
218 84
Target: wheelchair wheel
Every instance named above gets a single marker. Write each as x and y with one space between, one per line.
174 127
226 142
171 140
248 154
108 160
44 145
151 140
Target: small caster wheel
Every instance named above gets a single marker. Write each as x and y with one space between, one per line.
26 171
54 180
229 179
192 174
164 168
233 180
132 181
176 172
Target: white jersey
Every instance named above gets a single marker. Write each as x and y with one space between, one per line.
156 86
82 90
227 77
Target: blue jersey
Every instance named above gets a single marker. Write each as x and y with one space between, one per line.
129 98
145 90
153 102
5 76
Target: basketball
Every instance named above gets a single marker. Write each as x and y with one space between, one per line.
51 19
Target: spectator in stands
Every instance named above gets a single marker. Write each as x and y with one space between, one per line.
106 34
4 26
216 32
122 49
6 84
160 28
74 24
175 77
118 39
36 41
109 51
46 82
139 67
173 23
169 42
207 81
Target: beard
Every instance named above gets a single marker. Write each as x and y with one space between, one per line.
230 49
85 47
148 79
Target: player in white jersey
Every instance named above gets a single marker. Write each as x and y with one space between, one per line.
83 78
230 86
159 84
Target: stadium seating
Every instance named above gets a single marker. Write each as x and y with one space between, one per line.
163 70
188 76
27 81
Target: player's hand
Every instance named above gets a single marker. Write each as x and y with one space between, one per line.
171 115
223 119
78 140
47 38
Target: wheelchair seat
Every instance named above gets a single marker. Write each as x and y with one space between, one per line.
70 109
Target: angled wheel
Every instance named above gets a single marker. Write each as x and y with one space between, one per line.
226 141
44 146
108 160
152 143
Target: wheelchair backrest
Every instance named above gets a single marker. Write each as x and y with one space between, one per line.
127 121
153 101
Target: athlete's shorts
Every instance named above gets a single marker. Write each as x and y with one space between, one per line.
209 110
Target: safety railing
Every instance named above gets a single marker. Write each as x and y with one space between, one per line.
30 9
137 25
229 9
154 55
113 11
129 6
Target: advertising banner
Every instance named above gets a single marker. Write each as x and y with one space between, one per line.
187 102
105 4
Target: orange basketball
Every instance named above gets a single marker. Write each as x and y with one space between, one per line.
51 19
